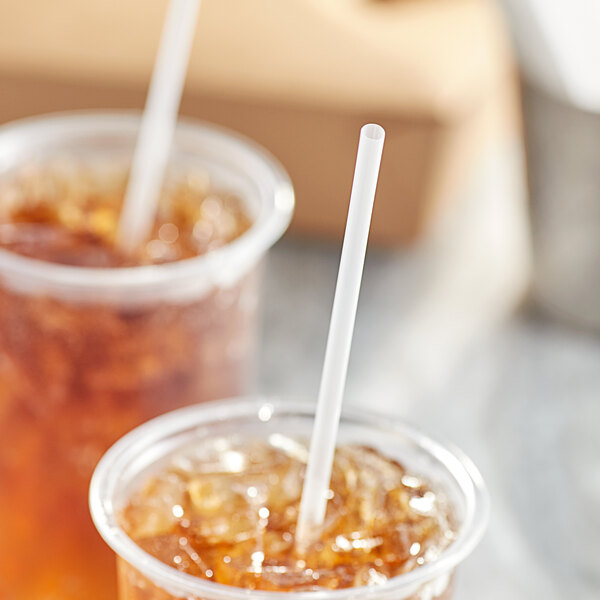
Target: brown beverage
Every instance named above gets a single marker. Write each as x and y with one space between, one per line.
213 493
80 365
226 511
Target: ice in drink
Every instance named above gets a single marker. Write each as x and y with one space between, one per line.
226 510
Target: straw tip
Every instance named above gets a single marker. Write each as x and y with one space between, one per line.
373 131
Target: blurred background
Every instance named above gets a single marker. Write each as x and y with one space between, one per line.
480 307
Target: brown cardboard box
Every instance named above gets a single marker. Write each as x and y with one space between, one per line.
300 77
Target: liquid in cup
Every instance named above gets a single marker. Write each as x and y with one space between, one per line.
205 499
89 351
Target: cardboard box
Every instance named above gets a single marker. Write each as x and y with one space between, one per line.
298 76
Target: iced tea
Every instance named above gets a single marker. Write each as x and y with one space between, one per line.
93 342
220 502
226 510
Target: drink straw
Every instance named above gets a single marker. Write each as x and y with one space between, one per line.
158 124
313 503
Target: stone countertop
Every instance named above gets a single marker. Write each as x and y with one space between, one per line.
523 402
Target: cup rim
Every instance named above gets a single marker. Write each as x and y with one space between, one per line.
251 244
103 512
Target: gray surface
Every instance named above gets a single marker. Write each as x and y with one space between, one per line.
564 154
523 402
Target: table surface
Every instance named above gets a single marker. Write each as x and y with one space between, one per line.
523 402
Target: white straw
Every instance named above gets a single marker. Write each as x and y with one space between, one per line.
322 447
158 124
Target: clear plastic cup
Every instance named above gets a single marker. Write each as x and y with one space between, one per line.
86 354
140 453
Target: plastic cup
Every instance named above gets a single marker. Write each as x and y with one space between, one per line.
87 354
140 453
